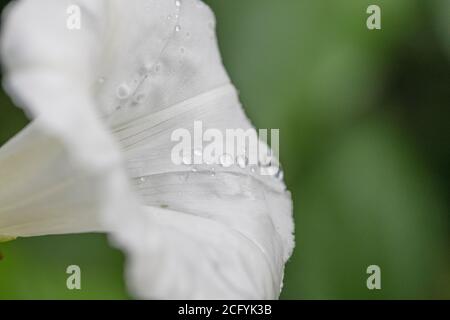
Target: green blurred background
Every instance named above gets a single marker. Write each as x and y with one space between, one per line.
364 122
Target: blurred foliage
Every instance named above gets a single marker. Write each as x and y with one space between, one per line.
364 142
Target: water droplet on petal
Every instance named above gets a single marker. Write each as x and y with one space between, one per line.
226 160
198 152
123 91
187 160
242 161
157 68
265 161
139 98
145 69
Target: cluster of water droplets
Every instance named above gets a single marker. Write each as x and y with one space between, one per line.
127 93
177 15
266 167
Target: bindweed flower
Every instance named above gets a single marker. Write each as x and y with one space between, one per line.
104 98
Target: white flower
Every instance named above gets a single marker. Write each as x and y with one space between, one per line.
96 158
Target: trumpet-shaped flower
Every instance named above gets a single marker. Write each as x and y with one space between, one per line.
104 98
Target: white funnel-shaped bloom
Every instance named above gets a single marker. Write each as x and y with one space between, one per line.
106 83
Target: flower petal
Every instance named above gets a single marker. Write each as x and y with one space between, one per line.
105 100
62 170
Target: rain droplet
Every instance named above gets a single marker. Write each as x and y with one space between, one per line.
213 172
182 50
169 17
123 91
157 68
198 152
139 98
145 69
194 169
253 169
177 28
242 161
101 80
266 161
178 3
187 160
226 160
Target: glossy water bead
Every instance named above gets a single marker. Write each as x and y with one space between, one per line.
139 98
226 160
242 161
123 91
